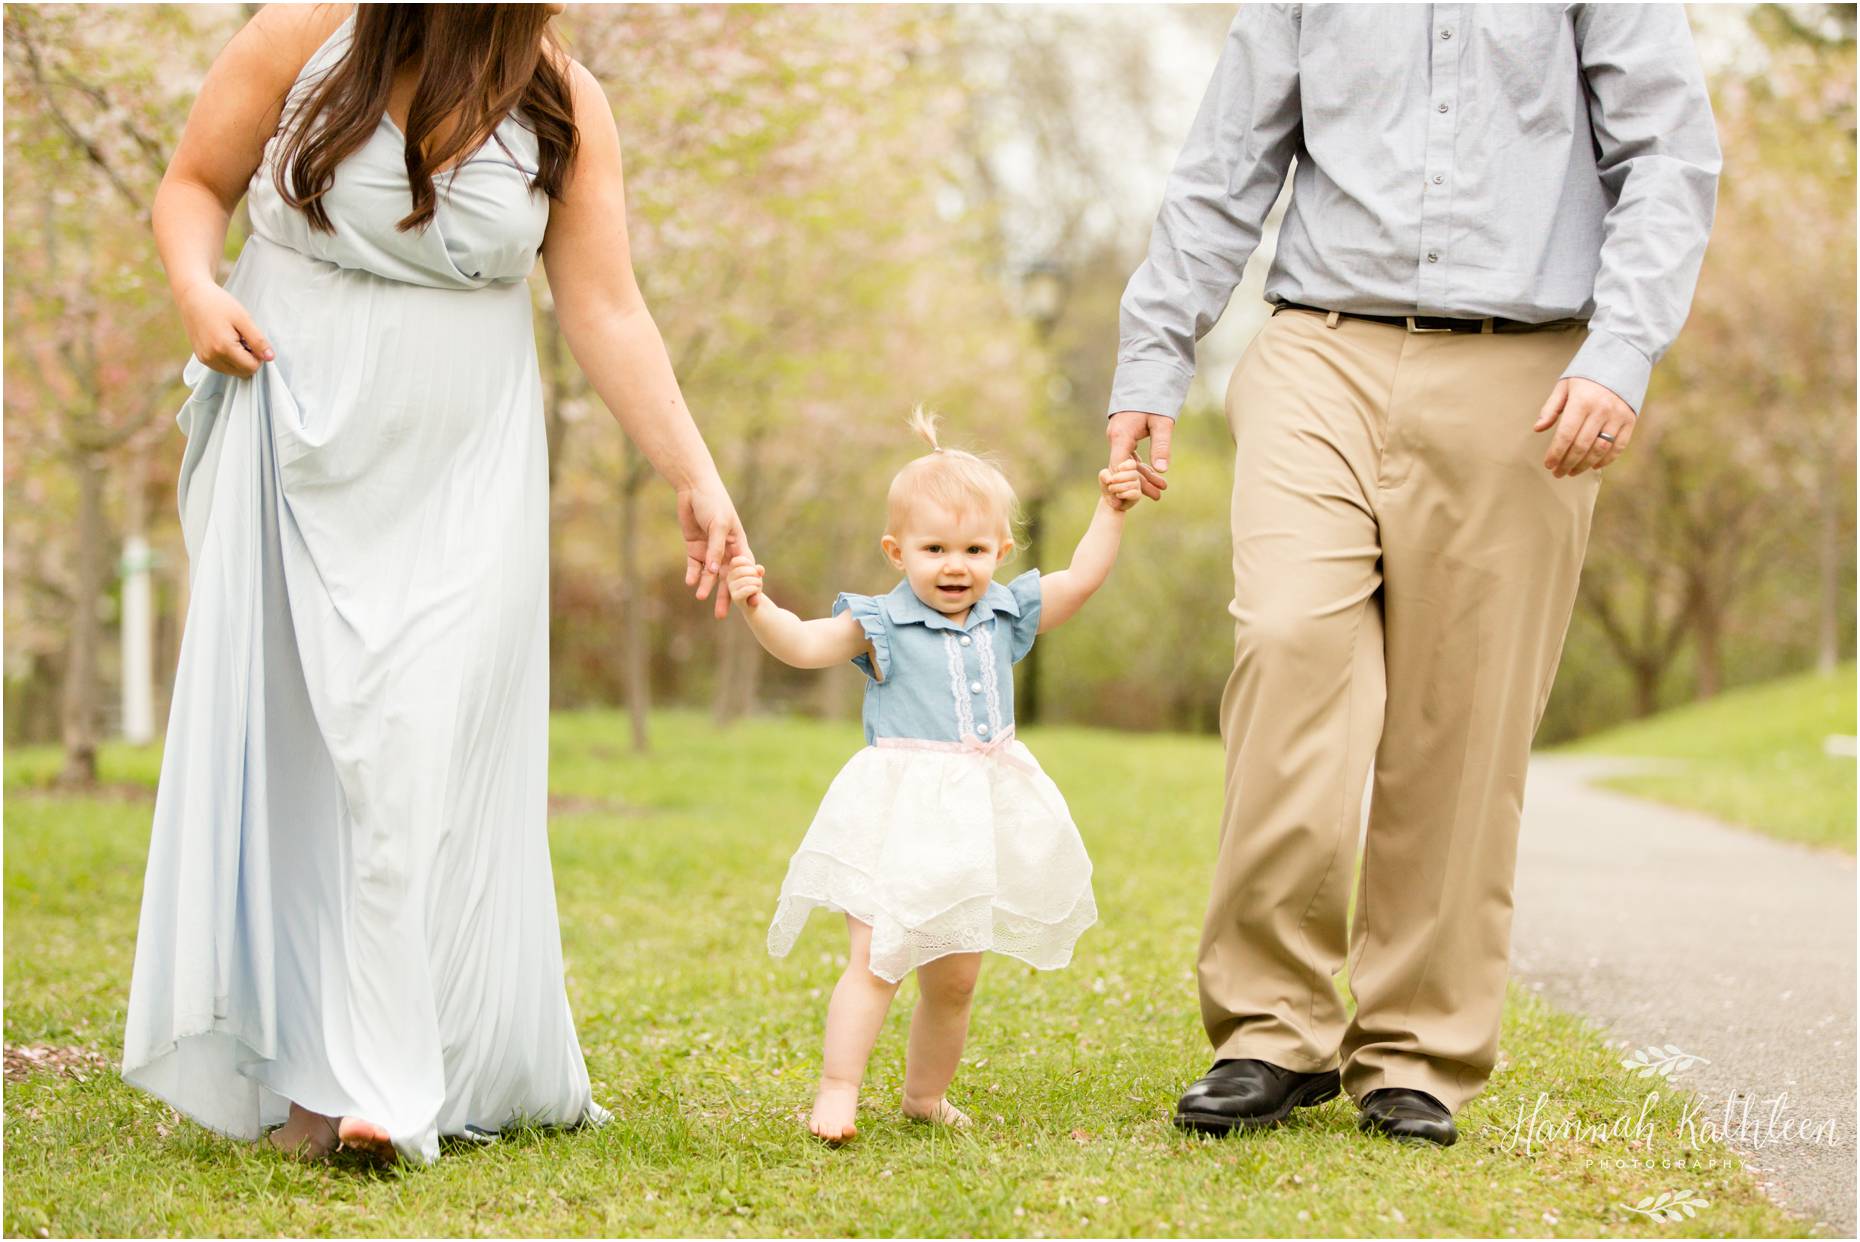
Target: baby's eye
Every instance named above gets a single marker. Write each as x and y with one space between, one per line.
975 549
935 547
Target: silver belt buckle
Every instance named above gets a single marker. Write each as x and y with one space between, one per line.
1412 328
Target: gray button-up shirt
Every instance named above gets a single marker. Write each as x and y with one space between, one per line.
1529 161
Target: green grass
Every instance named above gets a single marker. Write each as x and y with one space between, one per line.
667 868
1752 756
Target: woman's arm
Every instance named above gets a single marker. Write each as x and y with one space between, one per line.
1063 593
614 339
240 103
803 644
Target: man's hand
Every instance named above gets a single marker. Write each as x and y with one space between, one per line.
1122 487
1124 429
1593 426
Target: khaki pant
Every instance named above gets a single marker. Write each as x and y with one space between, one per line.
1404 572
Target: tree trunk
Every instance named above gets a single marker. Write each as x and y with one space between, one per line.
1027 703
739 660
739 674
1646 688
86 635
635 670
1708 628
837 690
1828 652
136 623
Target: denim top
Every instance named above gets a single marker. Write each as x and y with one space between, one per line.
936 679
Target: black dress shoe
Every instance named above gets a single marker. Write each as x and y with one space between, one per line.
1249 1094
1402 1112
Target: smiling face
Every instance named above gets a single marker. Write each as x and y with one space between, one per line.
948 557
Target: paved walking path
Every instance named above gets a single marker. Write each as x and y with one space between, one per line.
1669 927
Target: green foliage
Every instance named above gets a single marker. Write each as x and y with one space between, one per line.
828 210
666 870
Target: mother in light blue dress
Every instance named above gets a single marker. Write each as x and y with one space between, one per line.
348 924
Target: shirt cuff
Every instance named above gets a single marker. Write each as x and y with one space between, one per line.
1150 386
1611 361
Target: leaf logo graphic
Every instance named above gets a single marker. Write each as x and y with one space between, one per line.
1662 1060
1670 1205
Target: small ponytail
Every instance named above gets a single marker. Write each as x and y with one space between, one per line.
952 477
923 422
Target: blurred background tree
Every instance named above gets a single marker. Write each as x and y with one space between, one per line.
1723 546
838 212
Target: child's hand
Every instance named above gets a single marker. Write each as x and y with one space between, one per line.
1121 487
745 579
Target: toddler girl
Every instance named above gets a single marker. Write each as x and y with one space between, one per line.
942 838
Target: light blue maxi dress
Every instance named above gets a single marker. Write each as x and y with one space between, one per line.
348 900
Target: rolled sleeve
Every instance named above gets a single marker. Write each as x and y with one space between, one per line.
1658 154
1214 207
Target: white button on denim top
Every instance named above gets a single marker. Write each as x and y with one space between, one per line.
938 680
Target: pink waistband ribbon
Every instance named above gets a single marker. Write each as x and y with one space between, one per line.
971 745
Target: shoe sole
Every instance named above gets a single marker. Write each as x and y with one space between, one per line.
1311 1094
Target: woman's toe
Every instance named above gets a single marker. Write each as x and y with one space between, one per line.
367 1138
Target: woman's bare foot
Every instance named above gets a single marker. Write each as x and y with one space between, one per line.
307 1135
834 1107
937 1112
367 1138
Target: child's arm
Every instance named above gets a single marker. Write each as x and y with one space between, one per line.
803 644
1065 591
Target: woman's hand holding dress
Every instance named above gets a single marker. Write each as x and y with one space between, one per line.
221 331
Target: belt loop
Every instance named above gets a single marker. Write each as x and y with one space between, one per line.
1330 320
1485 325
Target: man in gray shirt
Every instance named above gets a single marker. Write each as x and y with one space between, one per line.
1497 222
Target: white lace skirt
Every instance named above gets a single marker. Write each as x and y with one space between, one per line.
943 852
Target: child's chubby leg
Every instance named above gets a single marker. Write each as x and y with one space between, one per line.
854 1015
939 1026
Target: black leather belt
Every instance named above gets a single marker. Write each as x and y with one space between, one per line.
1437 323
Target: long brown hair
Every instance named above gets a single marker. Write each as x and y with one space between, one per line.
481 59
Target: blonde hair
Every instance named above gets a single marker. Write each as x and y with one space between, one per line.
956 479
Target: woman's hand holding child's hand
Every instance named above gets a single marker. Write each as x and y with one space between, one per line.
1122 487
746 581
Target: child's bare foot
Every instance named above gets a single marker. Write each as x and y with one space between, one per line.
937 1112
307 1135
834 1107
367 1138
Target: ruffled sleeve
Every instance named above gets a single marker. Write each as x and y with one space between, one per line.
870 614
1026 592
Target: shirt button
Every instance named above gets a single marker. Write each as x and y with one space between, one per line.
964 640
1438 178
1443 107
975 687
981 730
1433 256
1446 34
